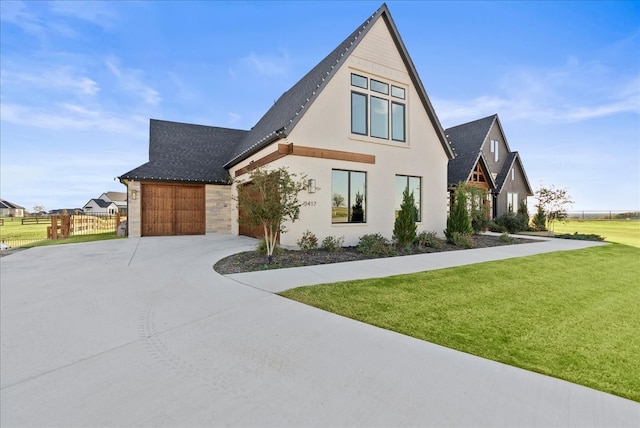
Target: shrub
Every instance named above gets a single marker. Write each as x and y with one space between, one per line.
458 220
581 236
479 222
374 245
404 227
462 240
428 239
261 248
308 241
512 223
495 227
539 220
506 238
331 243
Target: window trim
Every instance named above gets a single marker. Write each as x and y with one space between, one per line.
398 99
348 197
409 177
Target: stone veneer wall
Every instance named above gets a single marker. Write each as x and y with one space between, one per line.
134 210
218 208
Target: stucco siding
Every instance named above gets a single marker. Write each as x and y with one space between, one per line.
327 124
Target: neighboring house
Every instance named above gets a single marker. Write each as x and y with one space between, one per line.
118 198
359 124
7 209
66 211
484 159
99 206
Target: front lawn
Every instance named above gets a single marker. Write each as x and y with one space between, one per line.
572 315
621 231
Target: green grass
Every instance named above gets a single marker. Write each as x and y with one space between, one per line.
621 231
572 315
14 229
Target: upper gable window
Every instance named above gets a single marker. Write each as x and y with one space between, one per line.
359 81
495 149
376 112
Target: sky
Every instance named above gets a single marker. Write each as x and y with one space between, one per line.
79 82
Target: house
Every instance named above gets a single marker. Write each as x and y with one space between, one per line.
7 209
359 125
484 159
100 206
118 198
66 211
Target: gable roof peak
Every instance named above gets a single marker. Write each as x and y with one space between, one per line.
287 111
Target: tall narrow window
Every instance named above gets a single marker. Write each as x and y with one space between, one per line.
512 202
496 151
348 196
413 184
358 113
379 117
513 174
397 121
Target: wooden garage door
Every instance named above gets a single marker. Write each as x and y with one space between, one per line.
172 209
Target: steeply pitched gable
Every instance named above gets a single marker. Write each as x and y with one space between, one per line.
512 159
187 152
290 107
466 140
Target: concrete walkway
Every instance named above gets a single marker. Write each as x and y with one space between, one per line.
143 332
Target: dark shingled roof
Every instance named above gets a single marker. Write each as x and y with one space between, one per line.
502 176
466 140
187 152
290 107
9 205
101 202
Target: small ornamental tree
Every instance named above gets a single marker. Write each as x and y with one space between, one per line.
554 203
404 228
458 220
269 199
476 206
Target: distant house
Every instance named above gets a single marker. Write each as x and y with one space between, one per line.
66 211
359 125
7 209
100 206
484 159
118 198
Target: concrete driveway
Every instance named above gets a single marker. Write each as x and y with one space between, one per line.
143 332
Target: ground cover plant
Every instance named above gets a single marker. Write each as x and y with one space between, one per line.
572 315
621 231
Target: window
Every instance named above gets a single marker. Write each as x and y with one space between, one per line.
348 196
512 202
513 174
495 148
414 185
358 113
370 113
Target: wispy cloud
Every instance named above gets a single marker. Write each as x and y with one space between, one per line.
268 65
98 13
573 92
57 78
132 81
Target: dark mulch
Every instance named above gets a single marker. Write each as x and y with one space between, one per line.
250 261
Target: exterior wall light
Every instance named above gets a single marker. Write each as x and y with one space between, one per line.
311 185
134 194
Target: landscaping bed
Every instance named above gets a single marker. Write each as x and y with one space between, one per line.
250 261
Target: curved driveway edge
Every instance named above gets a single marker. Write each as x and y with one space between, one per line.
278 280
143 332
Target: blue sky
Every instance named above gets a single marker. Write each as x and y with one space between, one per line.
80 81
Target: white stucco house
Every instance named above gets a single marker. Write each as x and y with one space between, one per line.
360 124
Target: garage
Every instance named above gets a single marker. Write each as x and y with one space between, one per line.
173 209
